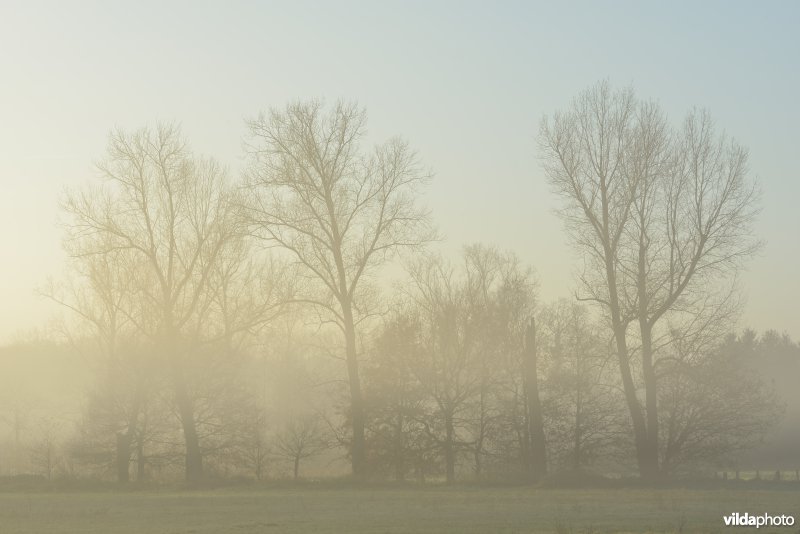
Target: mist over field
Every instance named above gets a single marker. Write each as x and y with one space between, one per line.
448 267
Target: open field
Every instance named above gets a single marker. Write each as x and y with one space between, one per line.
386 510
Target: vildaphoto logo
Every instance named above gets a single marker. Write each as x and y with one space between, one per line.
764 520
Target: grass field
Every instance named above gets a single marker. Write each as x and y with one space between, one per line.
386 510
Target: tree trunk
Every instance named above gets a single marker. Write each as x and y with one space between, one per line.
449 450
296 467
578 433
399 451
635 409
650 470
17 432
400 470
194 457
141 461
358 449
631 399
538 446
481 433
123 456
524 433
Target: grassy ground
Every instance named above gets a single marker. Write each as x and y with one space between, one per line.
385 510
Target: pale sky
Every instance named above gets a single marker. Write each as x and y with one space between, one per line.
465 82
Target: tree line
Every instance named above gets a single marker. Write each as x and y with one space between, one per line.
233 319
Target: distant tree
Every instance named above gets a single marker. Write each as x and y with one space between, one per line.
535 444
254 448
173 216
581 387
662 217
339 213
124 419
45 449
396 402
101 292
471 325
776 358
302 437
16 415
38 400
445 365
500 295
713 406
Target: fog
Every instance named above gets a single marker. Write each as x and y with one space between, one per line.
289 249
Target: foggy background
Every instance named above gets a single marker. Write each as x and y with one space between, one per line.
407 244
466 83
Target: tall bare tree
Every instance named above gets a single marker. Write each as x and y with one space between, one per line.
470 350
581 386
446 364
101 293
661 216
338 211
500 298
172 214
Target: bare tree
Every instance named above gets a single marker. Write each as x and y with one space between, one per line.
535 443
699 430
337 211
172 214
101 293
445 364
581 385
45 448
470 336
302 437
395 400
500 296
16 415
661 217
254 448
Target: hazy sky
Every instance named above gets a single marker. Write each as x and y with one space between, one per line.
466 83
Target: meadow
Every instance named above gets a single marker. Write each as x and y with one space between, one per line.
303 509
